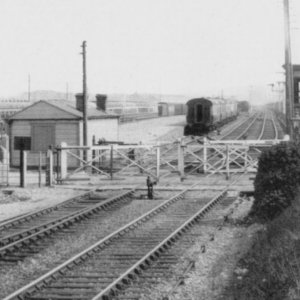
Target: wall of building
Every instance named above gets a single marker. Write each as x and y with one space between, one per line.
101 128
64 131
18 129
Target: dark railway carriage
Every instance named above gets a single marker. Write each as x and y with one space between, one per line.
204 115
243 106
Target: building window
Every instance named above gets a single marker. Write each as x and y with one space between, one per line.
22 143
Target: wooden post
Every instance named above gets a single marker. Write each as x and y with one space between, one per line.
246 157
93 162
157 162
40 169
181 159
289 88
84 91
111 161
23 168
63 161
204 155
227 162
49 168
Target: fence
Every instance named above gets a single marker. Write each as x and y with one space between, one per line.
36 168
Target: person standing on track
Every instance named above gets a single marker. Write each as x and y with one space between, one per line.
150 187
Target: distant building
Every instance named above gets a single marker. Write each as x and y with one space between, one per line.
46 123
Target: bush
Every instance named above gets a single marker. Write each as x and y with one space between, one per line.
277 180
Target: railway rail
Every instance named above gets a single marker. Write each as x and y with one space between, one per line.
260 126
17 235
240 131
269 130
99 271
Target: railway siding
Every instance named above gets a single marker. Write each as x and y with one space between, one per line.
19 240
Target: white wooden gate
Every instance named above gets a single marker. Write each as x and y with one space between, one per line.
160 160
223 157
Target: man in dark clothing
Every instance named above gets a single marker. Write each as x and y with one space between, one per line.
150 187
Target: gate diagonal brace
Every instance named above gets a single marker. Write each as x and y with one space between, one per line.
198 166
163 161
86 164
133 163
197 160
235 154
232 155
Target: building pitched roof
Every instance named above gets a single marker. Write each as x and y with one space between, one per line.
58 109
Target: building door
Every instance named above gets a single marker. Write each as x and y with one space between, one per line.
43 135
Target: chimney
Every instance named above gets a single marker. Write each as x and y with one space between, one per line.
101 101
79 101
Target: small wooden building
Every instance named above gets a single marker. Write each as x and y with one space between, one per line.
46 123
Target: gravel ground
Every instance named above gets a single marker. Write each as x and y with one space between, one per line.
214 267
149 131
16 201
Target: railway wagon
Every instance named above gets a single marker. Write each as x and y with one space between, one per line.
243 106
206 114
171 109
134 112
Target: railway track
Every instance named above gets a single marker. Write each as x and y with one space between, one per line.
18 235
99 271
241 130
269 130
261 126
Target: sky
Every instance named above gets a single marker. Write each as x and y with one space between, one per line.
145 46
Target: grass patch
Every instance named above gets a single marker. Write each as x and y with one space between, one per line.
271 267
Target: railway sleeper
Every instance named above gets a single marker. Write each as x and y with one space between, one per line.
59 297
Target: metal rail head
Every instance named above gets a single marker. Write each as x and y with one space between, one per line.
247 128
239 125
275 127
263 127
27 216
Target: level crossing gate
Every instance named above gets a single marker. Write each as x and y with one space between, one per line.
181 157
223 157
109 160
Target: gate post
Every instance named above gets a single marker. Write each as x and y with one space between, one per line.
23 168
246 158
157 162
49 168
111 161
227 162
63 161
181 158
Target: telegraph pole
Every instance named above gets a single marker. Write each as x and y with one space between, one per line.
28 87
289 86
67 91
84 91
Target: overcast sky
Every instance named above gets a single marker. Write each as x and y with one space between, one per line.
159 46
